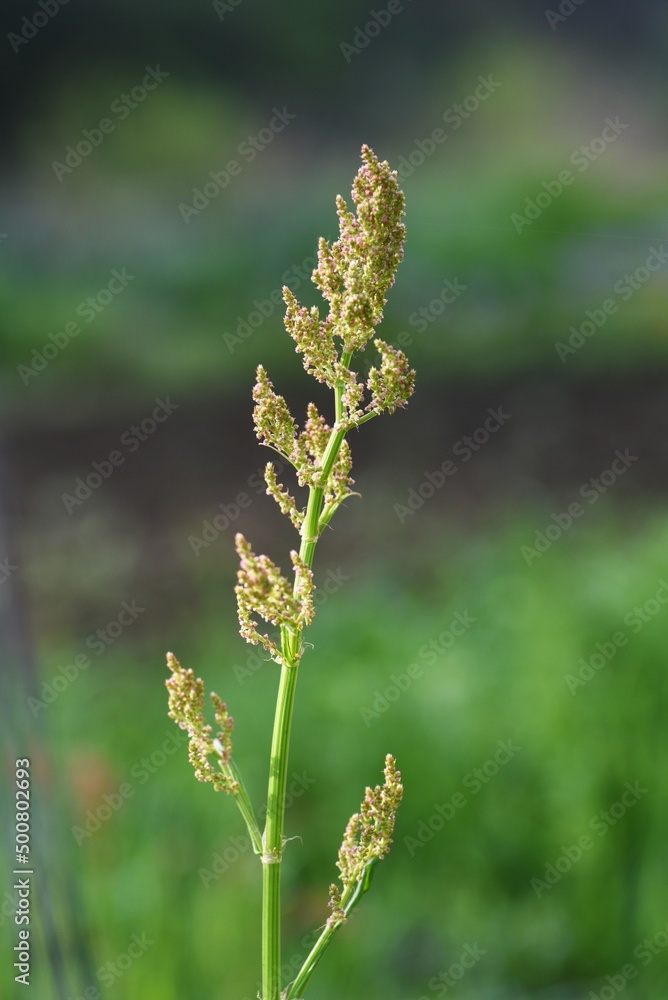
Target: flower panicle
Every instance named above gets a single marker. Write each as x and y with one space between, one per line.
313 338
368 834
263 591
274 424
354 273
186 708
285 501
391 385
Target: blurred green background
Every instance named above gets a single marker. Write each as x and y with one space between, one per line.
559 319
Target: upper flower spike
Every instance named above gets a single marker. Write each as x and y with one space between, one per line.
354 273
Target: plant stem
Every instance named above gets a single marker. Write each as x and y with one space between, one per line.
272 841
350 898
273 835
338 390
245 807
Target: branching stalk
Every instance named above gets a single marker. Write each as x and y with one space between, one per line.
353 275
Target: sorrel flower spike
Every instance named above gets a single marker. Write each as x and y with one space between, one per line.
353 275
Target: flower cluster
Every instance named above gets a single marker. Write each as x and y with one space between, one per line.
368 835
186 707
262 590
305 449
354 273
274 424
353 276
284 499
392 384
313 338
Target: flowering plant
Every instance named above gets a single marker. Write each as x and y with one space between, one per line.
353 275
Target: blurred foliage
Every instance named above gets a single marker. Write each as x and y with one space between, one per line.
197 285
503 680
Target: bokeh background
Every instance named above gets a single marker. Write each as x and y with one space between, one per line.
564 653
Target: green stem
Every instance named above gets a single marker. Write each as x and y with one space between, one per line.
338 389
245 807
349 900
272 848
272 841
